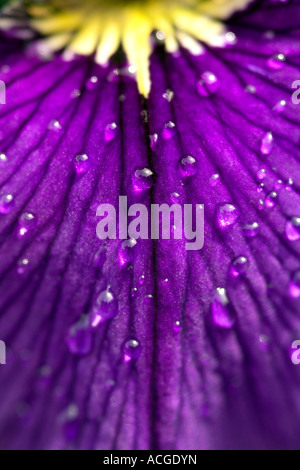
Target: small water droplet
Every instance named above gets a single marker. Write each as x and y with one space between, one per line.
239 266
6 203
153 140
208 84
292 229
251 230
177 326
71 423
168 95
169 130
134 292
79 338
22 266
81 163
289 184
142 280
111 131
214 179
250 89
189 166
276 62
279 107
142 179
278 185
227 215
260 187
221 313
175 198
267 143
92 83
106 307
261 174
131 350
127 251
271 199
3 158
295 285
55 125
27 221
75 94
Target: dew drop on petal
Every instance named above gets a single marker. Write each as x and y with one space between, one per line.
55 125
189 166
221 313
295 285
153 140
276 62
270 200
251 230
81 163
131 350
111 131
279 107
127 251
168 95
79 337
169 130
6 203
278 185
141 280
239 266
292 229
142 179
289 184
3 158
177 326
92 83
266 144
23 265
208 84
27 221
227 215
175 197
106 307
133 292
214 179
261 174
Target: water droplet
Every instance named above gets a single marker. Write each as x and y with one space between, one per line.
106 307
270 200
6 203
208 84
279 107
149 298
266 144
3 158
189 166
239 266
169 130
250 89
142 179
295 285
175 198
292 229
127 251
260 187
278 185
153 140
214 179
75 94
160 36
168 95
100 256
289 184
81 163
177 326
22 265
79 338
71 422
251 230
131 350
261 174
134 292
55 125
227 215
276 62
142 280
222 315
27 221
110 132
92 83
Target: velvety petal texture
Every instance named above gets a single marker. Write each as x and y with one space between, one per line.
195 348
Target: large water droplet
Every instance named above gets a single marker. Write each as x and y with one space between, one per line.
292 229
79 338
131 350
6 203
142 179
239 266
169 130
127 251
221 313
92 83
27 221
106 307
208 84
251 230
276 62
266 145
295 285
189 166
227 215
81 163
111 131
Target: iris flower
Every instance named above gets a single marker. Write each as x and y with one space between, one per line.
147 345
